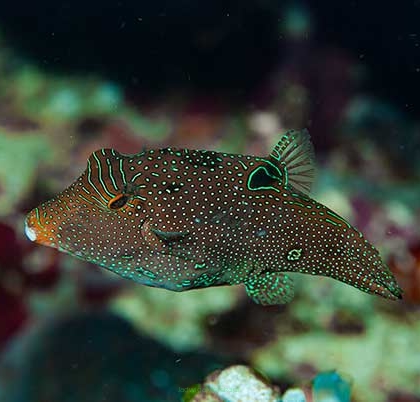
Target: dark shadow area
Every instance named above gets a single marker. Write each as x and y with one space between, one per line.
155 46
383 35
223 46
97 356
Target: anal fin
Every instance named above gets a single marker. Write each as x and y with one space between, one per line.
268 288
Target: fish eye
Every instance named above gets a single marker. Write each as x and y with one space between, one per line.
118 201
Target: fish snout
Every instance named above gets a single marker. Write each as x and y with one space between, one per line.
36 230
30 229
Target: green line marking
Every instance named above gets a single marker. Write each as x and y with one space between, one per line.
339 218
297 203
111 176
267 173
332 222
85 199
91 183
135 177
122 172
243 165
97 199
149 274
37 217
276 154
200 265
283 176
100 176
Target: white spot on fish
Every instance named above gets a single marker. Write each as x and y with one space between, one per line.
30 233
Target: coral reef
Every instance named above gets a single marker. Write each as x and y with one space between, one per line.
236 384
240 383
359 341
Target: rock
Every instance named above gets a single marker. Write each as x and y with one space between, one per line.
294 395
330 387
236 384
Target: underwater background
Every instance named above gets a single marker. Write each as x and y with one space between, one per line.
228 76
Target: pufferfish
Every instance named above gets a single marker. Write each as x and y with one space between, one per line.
184 219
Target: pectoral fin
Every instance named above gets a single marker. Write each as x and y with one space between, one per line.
268 288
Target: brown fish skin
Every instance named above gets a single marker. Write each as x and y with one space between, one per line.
183 219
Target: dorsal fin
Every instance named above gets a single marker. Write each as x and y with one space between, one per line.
295 154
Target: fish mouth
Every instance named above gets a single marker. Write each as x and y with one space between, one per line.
36 231
30 231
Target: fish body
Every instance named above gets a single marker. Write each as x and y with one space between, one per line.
182 219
